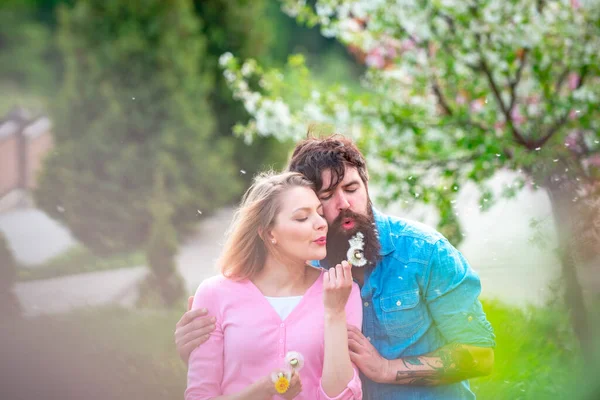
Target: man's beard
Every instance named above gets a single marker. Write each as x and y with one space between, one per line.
346 227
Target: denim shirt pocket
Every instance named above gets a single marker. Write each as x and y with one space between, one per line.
402 313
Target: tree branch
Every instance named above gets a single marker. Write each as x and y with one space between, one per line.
439 163
551 131
561 80
562 120
516 134
515 82
540 5
441 100
505 111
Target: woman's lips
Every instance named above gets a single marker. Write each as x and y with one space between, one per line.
322 241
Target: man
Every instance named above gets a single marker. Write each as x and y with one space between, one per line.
424 330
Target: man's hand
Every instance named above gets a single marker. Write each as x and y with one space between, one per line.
192 330
365 356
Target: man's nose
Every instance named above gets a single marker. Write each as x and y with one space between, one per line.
342 202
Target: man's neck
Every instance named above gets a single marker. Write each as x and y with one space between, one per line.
358 274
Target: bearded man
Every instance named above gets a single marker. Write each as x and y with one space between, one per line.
424 330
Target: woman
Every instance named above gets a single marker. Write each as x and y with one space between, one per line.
268 301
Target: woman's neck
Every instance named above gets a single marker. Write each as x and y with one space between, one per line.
280 278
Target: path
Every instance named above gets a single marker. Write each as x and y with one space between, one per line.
497 244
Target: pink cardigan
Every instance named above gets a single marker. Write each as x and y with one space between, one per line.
251 340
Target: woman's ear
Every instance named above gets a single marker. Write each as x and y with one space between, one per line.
267 236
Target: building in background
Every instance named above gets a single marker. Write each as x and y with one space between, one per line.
25 139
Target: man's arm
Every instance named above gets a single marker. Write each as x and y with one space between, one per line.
449 364
451 292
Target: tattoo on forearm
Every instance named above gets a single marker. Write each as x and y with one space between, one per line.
451 363
411 361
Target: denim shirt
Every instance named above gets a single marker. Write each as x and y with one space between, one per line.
420 296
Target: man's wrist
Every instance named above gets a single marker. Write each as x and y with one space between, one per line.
388 374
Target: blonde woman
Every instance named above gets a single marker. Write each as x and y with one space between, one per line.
268 301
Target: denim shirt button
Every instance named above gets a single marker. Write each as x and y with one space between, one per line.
366 304
369 338
398 303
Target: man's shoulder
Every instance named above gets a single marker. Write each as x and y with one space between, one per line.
411 241
404 228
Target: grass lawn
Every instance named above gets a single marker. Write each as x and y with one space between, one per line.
116 354
79 260
536 356
100 354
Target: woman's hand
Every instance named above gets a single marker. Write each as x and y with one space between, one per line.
268 387
337 285
295 387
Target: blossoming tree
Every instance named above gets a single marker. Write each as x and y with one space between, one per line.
456 90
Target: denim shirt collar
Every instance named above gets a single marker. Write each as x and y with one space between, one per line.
384 231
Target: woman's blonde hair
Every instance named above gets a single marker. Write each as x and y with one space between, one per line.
246 248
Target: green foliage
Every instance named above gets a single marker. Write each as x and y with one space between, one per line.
452 93
244 28
24 44
536 356
25 52
96 354
9 305
8 272
135 86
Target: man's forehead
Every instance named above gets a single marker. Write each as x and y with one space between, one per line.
350 174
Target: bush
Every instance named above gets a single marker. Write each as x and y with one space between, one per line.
135 86
9 305
162 248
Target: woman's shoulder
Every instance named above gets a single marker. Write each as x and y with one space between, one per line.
219 284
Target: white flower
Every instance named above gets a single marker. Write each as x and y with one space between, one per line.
294 360
324 9
250 102
242 86
225 58
248 68
276 374
229 76
356 255
293 7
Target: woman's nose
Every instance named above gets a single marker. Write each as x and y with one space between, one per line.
321 224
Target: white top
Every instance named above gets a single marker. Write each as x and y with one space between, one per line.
284 305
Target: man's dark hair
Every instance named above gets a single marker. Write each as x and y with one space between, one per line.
314 155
